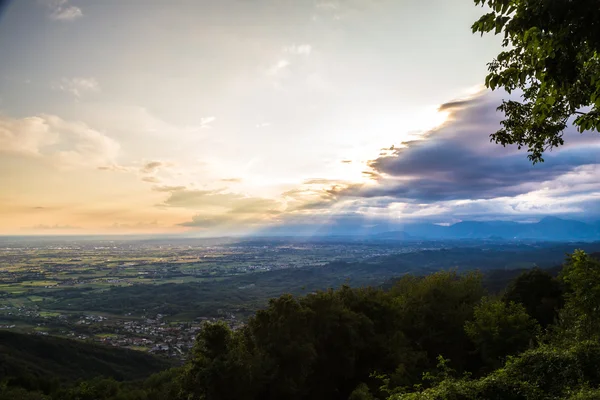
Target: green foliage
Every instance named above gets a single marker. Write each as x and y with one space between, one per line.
164 385
325 345
544 373
552 58
43 362
432 337
582 310
443 372
500 329
433 311
20 393
361 392
539 292
563 368
220 366
585 394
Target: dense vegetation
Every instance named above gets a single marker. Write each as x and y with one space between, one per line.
439 336
562 365
46 363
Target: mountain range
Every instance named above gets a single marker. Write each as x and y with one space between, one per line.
548 228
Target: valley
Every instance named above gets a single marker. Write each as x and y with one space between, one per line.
154 295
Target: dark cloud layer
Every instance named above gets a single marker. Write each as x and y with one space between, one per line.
457 161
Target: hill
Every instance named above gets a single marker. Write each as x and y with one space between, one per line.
43 362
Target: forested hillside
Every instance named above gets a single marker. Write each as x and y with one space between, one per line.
441 336
45 363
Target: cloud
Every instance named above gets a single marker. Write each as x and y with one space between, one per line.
147 171
168 189
458 104
183 197
60 10
67 13
151 167
314 205
320 181
254 212
223 222
300 50
278 67
150 179
343 9
200 221
457 162
78 86
311 197
206 121
226 221
52 227
327 5
63 143
454 171
135 226
220 208
116 168
26 136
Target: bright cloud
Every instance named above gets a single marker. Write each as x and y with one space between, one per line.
303 49
78 86
26 136
61 142
278 67
61 10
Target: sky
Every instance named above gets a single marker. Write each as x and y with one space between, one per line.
232 116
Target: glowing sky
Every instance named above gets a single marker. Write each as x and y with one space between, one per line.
122 116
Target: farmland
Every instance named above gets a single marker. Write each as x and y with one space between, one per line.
153 295
87 288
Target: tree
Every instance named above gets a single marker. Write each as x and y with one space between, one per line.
499 330
539 292
221 366
552 58
433 311
543 373
324 345
361 393
581 274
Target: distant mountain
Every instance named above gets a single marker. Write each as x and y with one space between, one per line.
477 229
427 231
549 228
557 228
